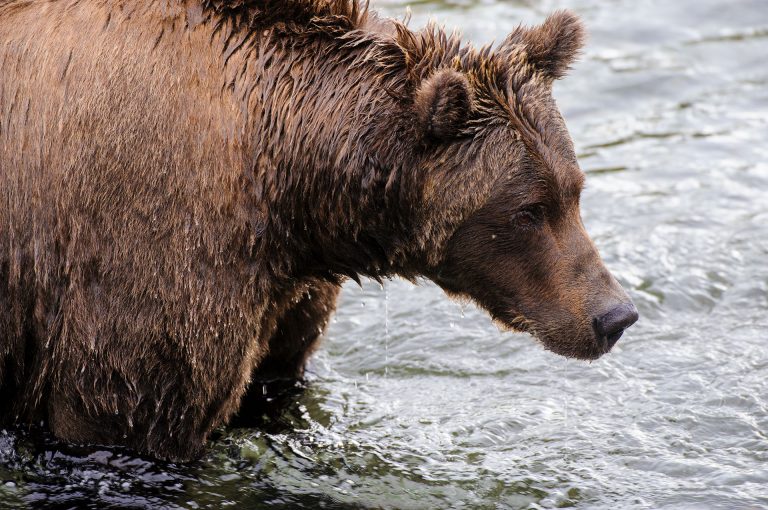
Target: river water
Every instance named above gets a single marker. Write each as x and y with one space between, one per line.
417 402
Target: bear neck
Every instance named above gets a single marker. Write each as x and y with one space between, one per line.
334 191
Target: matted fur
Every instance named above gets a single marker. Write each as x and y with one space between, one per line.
184 185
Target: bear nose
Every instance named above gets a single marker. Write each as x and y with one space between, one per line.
612 324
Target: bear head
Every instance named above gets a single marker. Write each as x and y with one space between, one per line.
501 193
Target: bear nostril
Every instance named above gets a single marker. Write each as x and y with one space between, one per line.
612 324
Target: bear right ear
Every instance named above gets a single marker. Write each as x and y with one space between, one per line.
552 46
443 103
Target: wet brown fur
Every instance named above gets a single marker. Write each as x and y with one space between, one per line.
184 186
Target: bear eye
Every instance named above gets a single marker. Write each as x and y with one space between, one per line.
529 217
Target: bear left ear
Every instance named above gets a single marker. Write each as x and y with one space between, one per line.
552 46
443 103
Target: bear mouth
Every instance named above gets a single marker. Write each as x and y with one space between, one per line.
587 348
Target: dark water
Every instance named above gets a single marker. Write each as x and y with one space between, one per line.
416 402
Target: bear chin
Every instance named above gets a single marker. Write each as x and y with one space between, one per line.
588 348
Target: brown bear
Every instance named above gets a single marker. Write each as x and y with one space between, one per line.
185 184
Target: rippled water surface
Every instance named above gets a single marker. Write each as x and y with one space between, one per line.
417 402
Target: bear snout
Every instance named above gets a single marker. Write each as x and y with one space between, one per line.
611 325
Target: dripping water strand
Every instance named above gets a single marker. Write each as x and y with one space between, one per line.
386 329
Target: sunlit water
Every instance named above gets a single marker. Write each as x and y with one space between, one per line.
416 402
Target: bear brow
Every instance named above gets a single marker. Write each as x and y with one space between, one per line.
571 182
560 175
561 172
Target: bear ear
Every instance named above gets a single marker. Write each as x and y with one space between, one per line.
443 103
552 46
